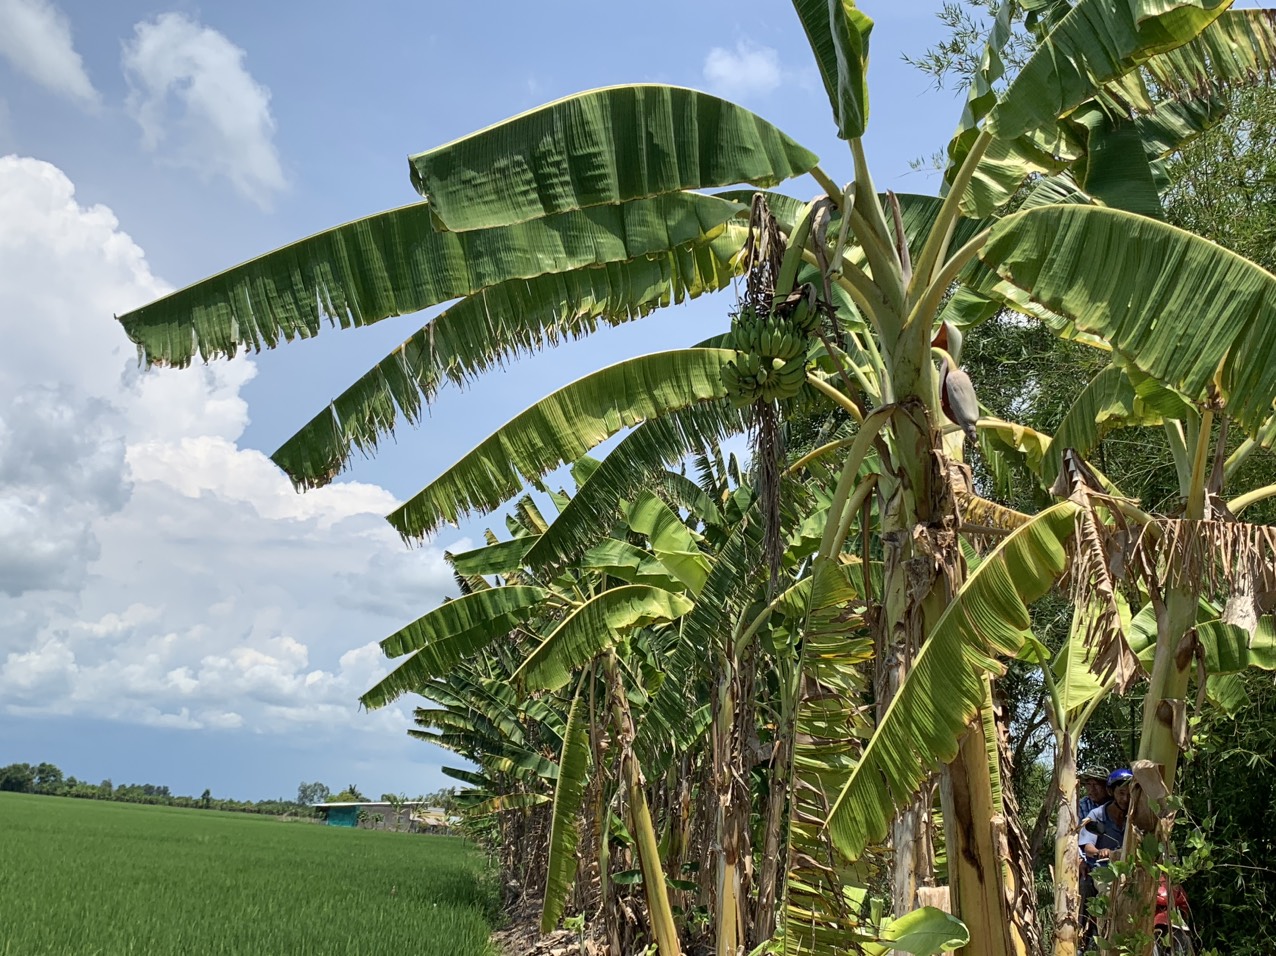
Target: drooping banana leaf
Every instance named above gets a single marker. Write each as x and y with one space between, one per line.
1108 401
593 627
832 725
1179 308
838 33
1097 42
1236 49
447 634
466 776
560 428
1116 168
987 620
647 450
500 558
600 148
569 793
733 578
1095 46
484 331
395 263
509 802
678 714
499 754
683 493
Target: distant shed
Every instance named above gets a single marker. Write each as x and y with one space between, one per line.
375 815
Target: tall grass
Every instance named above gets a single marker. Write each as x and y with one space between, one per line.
100 879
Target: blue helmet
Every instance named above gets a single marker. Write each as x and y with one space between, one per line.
1118 777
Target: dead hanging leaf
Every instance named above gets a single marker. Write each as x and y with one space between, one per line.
1097 549
1217 557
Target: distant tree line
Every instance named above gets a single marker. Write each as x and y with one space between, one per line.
48 779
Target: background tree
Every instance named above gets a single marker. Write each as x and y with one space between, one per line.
309 794
18 778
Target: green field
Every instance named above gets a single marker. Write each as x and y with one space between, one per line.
100 879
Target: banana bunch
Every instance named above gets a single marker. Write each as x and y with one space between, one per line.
769 338
750 377
801 308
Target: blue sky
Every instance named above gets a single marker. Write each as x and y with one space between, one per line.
170 611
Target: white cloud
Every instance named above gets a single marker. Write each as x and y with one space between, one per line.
192 95
35 37
747 70
151 570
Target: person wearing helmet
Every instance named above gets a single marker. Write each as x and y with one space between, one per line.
1101 836
1103 829
1095 782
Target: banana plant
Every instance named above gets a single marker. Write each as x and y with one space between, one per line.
553 223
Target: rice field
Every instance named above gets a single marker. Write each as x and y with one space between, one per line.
100 879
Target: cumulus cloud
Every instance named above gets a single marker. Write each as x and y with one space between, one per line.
35 37
151 570
194 99
748 70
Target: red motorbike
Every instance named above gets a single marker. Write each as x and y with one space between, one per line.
1171 925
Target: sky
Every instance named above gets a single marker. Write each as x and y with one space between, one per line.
171 612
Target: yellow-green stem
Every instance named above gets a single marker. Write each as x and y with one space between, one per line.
1241 502
936 246
1200 462
836 396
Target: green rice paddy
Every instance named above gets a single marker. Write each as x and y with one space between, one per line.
100 879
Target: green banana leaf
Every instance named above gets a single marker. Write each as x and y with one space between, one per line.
646 451
395 263
1178 308
629 563
1116 169
569 794
593 627
923 932
681 492
678 714
1097 42
838 33
671 541
1235 50
1007 163
486 330
1078 63
1108 401
508 802
987 620
443 637
502 757
600 148
466 776
500 558
460 617
560 428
